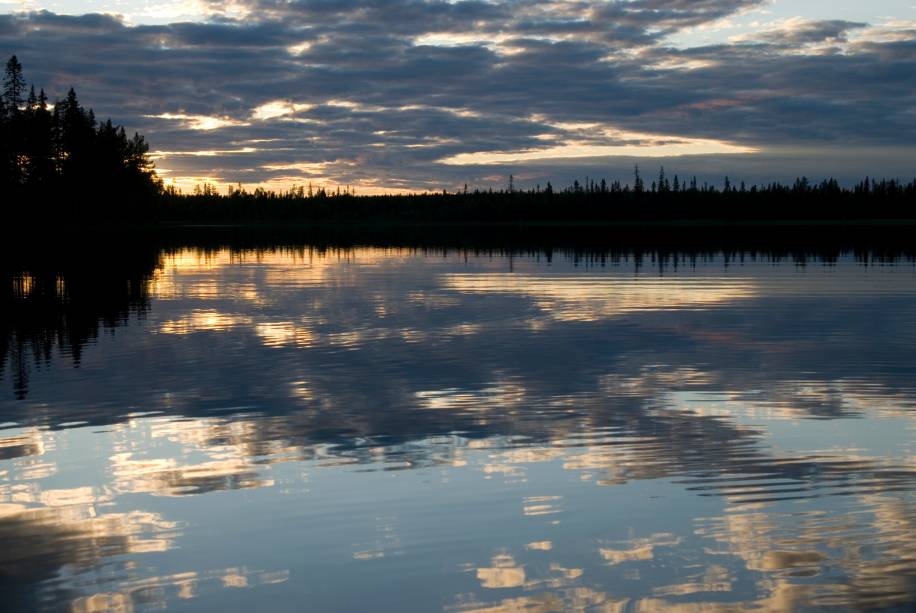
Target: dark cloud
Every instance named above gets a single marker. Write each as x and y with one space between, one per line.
385 89
670 15
812 32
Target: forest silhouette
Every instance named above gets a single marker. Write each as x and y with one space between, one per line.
61 165
581 203
60 160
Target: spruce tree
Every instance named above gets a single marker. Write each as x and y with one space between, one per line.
13 85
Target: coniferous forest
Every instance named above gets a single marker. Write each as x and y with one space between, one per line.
58 159
59 163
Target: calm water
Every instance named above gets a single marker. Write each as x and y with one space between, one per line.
394 430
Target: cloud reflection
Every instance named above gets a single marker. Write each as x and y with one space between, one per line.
592 298
551 390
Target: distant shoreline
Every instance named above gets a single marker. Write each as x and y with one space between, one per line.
633 223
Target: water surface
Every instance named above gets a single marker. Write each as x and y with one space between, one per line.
293 429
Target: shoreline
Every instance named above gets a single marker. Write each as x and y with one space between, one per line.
635 223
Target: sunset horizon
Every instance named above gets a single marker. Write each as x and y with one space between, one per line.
404 96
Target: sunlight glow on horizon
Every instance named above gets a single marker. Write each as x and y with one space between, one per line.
187 184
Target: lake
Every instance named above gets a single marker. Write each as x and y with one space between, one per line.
289 428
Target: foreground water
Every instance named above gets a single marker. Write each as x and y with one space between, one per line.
396 430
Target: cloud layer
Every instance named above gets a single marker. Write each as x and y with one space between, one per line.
382 94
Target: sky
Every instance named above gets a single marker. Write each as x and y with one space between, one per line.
386 96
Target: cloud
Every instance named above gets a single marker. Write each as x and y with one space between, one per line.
798 32
199 122
381 92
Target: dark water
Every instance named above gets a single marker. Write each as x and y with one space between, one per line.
397 430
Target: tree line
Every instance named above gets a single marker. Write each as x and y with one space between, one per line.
59 159
661 199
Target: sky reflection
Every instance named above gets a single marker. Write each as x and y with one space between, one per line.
459 432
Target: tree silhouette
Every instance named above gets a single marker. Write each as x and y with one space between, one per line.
64 163
13 85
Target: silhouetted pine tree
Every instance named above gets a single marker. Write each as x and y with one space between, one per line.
13 85
638 185
39 147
